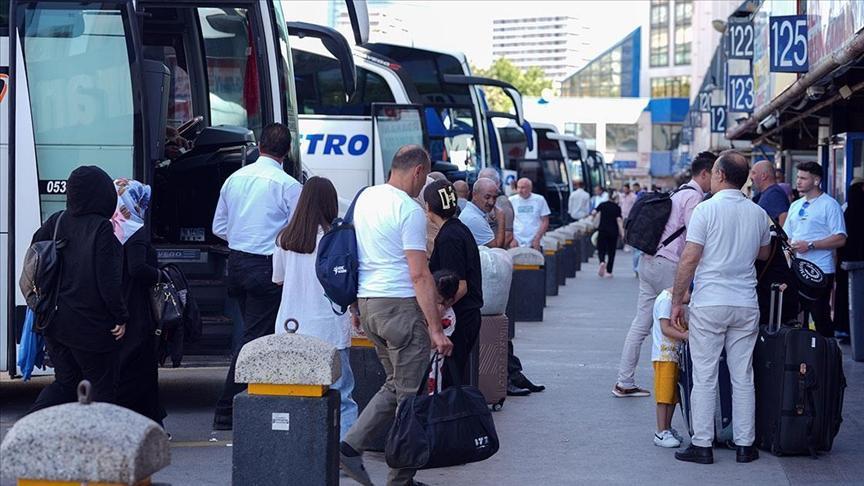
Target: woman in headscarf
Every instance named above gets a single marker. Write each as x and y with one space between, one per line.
137 375
83 336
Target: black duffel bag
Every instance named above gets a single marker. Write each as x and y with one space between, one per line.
443 429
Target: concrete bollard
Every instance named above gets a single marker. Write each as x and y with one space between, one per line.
84 443
369 377
577 244
527 291
560 271
286 425
569 253
550 258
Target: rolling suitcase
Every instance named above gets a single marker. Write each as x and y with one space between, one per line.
799 387
489 360
723 405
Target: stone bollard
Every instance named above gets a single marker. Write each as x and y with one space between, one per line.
560 271
569 252
286 425
527 291
550 257
369 377
577 244
84 443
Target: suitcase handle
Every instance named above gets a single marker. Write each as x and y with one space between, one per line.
776 312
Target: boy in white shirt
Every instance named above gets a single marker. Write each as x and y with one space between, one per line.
664 356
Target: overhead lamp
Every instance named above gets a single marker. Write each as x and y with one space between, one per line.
845 92
710 87
719 25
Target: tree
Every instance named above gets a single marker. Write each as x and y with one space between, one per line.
530 82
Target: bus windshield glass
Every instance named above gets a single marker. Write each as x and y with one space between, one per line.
80 90
396 126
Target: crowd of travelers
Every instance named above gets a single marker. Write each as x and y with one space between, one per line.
420 285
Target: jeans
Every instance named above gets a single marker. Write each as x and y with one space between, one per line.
250 281
712 329
397 328
655 275
70 367
637 256
345 385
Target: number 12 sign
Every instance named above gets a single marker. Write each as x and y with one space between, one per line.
789 44
718 119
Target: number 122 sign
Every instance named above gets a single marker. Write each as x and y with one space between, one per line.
789 44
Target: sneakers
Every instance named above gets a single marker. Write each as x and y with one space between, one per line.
602 270
629 392
666 439
352 464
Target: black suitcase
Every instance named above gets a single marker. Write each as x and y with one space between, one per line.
723 405
799 387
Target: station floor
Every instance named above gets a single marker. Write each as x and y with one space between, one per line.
574 433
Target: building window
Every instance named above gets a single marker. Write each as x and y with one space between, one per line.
621 137
670 87
585 131
683 31
659 39
665 138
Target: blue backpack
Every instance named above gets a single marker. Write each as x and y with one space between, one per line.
338 265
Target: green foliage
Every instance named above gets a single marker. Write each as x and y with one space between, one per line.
530 82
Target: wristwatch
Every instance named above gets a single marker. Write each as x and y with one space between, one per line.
811 246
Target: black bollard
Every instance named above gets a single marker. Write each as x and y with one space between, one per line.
369 377
550 258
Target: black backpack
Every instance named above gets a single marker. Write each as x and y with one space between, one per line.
40 278
647 220
337 265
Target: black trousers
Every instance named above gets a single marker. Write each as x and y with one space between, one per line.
464 336
250 281
820 308
70 367
607 243
514 364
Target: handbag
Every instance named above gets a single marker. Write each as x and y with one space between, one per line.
442 429
167 306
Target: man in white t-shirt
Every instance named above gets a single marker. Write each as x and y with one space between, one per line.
725 236
816 227
579 204
396 298
531 215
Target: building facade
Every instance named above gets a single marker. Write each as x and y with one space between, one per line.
548 42
612 74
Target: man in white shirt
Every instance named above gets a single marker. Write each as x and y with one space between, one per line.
600 196
579 204
725 236
816 228
531 215
627 200
462 193
502 218
475 212
397 300
255 203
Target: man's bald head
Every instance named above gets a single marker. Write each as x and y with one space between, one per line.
762 174
490 173
437 176
524 186
731 169
462 189
484 194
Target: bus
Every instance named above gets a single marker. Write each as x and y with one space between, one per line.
397 86
104 83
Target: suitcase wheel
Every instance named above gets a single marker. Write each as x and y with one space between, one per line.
496 407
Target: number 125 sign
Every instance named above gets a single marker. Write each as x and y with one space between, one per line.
789 44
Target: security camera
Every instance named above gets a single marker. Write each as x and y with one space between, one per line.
815 92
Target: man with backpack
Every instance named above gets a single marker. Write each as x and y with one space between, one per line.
397 299
660 259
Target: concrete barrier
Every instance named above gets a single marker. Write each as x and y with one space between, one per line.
569 251
369 377
84 443
527 292
550 257
286 425
577 244
560 271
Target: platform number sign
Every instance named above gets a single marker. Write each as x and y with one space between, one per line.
789 44
741 93
704 101
718 119
740 40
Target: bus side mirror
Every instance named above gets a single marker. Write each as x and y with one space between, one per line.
336 44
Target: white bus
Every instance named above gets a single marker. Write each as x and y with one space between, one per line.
352 141
99 83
